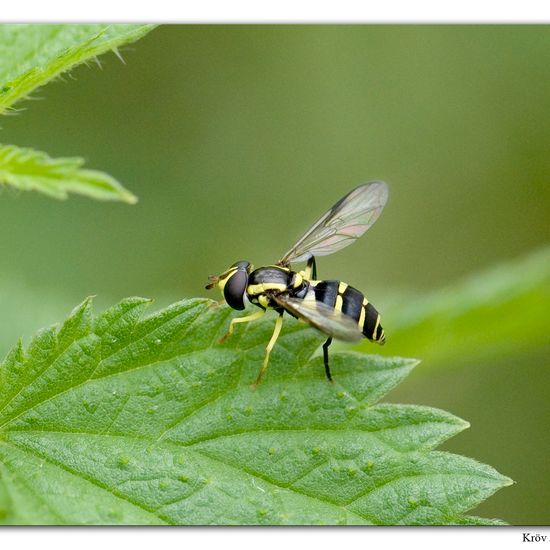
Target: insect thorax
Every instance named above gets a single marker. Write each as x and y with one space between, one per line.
274 279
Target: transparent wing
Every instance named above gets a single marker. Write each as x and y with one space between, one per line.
344 223
324 318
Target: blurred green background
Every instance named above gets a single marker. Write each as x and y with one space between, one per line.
235 138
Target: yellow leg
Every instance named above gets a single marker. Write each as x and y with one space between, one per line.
274 336
246 319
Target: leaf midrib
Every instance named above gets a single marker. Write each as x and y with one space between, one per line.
286 486
289 487
105 488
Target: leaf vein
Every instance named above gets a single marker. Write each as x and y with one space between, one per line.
90 480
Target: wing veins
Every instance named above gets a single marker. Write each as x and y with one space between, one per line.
356 211
328 320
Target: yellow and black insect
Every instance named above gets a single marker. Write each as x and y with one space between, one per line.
333 307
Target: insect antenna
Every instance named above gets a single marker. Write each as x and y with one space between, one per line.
212 281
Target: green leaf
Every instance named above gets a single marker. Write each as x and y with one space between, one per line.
30 170
31 55
497 313
120 419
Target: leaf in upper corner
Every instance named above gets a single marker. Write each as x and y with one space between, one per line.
121 419
32 54
30 170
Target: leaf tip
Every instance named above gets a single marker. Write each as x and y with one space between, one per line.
84 305
129 198
137 300
16 354
507 481
462 425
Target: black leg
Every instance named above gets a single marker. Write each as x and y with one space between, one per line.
311 268
325 357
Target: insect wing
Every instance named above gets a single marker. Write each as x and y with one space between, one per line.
322 317
342 225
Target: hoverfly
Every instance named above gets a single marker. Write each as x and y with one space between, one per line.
333 307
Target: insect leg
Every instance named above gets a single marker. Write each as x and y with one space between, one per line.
311 269
274 336
246 319
325 357
217 304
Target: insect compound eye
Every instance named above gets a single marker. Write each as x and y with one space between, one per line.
243 265
235 287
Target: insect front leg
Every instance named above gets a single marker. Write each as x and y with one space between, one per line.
246 319
217 304
325 357
274 336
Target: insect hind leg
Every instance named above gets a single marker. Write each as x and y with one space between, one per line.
325 358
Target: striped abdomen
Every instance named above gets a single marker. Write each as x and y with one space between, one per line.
352 303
